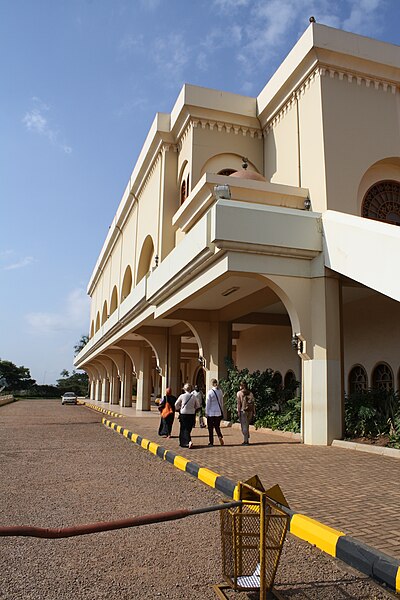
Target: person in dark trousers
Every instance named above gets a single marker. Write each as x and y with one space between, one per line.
214 405
187 404
245 410
167 411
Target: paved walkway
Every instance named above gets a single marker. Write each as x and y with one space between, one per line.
355 492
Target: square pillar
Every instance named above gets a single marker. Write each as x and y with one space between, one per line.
115 387
219 349
126 383
97 396
174 355
322 371
143 400
105 390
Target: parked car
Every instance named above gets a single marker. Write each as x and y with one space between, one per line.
69 398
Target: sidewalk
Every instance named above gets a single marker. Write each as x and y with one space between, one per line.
355 492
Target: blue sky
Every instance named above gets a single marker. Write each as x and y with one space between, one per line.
81 83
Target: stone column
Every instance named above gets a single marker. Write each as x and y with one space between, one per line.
126 383
143 401
97 396
105 389
115 387
174 359
219 349
322 372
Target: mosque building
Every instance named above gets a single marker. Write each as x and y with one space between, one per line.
264 230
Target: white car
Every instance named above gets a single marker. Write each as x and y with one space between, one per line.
69 398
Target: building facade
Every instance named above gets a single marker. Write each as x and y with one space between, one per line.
262 230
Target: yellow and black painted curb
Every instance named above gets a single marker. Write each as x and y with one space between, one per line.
377 565
102 410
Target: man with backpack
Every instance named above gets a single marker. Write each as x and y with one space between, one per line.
246 410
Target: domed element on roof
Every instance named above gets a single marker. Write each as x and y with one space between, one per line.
245 174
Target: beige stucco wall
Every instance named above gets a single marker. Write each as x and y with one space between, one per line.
281 149
371 330
208 143
267 347
148 212
361 127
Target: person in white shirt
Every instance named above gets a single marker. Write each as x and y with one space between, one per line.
214 405
187 404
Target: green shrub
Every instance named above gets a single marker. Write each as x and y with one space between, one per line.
276 407
372 413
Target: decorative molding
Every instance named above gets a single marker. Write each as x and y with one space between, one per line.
219 126
325 71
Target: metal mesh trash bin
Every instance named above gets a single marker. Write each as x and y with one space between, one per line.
252 537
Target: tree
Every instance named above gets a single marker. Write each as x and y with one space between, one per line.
81 344
16 378
77 382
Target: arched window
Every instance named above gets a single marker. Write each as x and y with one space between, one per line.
382 377
183 192
92 329
98 321
226 171
114 300
146 256
382 202
277 379
358 379
104 314
126 284
289 379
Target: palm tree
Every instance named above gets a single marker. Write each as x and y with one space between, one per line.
81 344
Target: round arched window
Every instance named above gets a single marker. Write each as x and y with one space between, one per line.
226 172
382 202
358 380
382 377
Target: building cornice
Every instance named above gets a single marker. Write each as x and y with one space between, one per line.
217 125
351 76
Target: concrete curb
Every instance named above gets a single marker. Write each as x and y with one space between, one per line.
6 400
102 410
377 565
380 450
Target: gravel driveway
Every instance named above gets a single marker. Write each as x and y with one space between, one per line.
60 467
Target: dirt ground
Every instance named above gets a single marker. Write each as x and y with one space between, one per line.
60 467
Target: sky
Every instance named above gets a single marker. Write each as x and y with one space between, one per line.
81 83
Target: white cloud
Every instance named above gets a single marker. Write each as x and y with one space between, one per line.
260 28
10 261
230 5
23 262
73 316
151 5
363 16
35 121
131 42
171 55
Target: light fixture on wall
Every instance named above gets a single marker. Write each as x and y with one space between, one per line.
222 192
156 259
158 369
296 342
307 204
202 360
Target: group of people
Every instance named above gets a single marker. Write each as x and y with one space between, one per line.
190 403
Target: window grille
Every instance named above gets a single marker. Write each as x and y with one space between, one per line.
358 380
382 377
382 202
